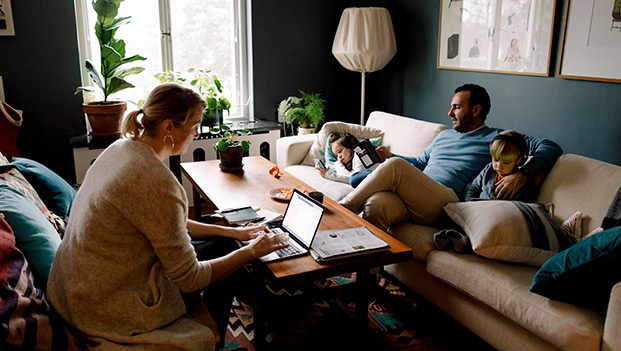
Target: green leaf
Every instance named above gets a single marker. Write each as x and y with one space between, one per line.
92 72
117 84
223 145
245 145
122 73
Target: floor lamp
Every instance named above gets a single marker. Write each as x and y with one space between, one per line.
364 42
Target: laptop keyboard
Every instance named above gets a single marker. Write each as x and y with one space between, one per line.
287 251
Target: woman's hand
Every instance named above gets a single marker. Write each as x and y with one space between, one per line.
267 242
248 232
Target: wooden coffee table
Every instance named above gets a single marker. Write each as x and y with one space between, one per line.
250 187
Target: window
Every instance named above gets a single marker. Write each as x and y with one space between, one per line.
177 35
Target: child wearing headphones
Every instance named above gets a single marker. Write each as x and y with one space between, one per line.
348 168
509 151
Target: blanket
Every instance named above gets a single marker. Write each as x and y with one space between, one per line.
613 215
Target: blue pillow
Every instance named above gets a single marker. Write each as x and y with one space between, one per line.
331 157
585 273
55 192
35 237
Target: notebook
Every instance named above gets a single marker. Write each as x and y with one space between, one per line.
336 244
301 220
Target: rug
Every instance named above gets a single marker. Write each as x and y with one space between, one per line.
399 319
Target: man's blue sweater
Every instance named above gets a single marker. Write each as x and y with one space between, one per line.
455 159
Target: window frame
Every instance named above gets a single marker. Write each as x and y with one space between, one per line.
243 50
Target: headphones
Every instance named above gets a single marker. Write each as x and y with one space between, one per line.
520 143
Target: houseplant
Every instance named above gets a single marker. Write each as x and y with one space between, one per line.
230 148
105 116
306 111
208 86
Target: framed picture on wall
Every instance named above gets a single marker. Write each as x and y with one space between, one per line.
591 45
502 36
6 18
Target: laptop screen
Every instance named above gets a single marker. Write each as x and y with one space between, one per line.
302 217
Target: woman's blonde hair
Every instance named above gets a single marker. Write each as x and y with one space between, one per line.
167 101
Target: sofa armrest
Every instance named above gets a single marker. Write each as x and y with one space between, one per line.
291 150
611 339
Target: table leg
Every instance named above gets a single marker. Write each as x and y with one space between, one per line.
196 196
363 282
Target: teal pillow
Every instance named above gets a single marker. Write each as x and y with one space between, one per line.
585 273
55 192
331 157
35 237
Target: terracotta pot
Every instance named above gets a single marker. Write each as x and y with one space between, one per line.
231 159
105 119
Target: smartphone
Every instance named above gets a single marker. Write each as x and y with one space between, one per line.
320 163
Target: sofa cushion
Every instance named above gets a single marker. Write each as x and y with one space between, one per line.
416 236
55 192
332 189
317 150
23 310
404 135
509 230
34 235
585 273
578 183
13 178
505 287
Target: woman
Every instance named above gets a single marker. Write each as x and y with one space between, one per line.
127 249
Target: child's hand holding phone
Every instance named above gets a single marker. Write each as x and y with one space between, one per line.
321 167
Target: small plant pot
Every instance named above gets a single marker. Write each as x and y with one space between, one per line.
105 119
231 159
216 118
304 131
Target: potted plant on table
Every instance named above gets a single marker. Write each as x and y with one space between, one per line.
306 111
105 116
230 148
209 87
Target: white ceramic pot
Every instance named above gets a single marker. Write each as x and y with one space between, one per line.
304 131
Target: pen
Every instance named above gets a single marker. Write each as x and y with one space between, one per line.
256 220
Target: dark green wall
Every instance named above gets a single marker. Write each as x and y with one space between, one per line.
292 50
41 70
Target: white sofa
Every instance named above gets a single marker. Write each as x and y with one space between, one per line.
491 298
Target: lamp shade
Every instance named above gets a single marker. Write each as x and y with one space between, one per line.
365 39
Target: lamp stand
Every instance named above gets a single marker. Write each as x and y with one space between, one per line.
363 80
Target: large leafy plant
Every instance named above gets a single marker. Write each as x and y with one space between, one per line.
111 79
207 84
307 111
230 138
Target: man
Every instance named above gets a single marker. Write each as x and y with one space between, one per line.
419 187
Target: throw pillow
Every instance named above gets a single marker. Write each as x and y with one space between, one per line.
317 149
583 274
330 157
23 310
14 179
509 230
34 235
55 192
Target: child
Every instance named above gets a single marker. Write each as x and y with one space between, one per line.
348 164
509 152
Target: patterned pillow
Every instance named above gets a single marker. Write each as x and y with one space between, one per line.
510 230
24 313
573 226
14 179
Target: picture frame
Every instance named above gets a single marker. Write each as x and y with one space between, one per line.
500 36
6 18
591 42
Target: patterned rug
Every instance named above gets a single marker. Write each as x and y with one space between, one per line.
398 320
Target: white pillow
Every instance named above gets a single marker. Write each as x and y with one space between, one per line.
317 150
509 230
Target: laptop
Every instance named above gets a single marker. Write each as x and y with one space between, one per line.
301 220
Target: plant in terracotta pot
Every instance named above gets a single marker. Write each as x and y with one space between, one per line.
208 86
105 116
230 148
306 111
